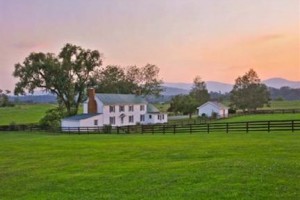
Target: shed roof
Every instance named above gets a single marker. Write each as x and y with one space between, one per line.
214 103
114 99
152 109
80 117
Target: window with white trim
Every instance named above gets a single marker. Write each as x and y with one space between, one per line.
112 120
121 108
142 118
96 122
111 109
131 119
142 107
131 108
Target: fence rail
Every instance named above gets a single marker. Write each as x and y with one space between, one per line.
248 126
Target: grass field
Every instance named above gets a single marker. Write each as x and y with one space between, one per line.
262 117
199 166
283 105
22 114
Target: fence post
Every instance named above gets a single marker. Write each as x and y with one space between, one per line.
191 129
174 128
292 125
269 127
152 129
227 127
207 127
247 127
164 131
128 131
142 129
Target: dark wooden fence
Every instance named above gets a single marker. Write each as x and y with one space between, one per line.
270 111
21 127
250 126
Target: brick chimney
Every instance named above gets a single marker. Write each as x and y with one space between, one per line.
92 104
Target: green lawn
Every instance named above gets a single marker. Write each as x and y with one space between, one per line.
262 117
22 114
199 166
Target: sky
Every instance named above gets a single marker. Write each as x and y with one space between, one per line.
218 40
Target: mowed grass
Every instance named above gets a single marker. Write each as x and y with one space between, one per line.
22 114
182 166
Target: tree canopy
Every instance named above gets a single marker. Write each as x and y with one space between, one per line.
131 80
199 91
184 104
248 92
67 74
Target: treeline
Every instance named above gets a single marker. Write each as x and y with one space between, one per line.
284 93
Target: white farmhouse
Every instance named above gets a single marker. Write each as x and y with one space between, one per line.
211 107
115 110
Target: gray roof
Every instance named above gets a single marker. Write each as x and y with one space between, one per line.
80 117
216 104
125 99
152 109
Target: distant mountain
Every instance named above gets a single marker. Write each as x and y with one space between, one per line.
212 86
215 86
171 91
184 86
280 82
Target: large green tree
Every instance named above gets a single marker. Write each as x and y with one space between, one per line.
67 74
184 104
199 91
249 93
132 80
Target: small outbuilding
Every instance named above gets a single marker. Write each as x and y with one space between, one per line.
209 108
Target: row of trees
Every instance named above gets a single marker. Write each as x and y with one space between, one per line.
248 93
69 73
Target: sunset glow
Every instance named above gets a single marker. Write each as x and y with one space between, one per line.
218 40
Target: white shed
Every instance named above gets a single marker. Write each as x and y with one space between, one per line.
211 107
83 120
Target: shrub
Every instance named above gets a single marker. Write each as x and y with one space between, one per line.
52 118
107 128
13 126
231 111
